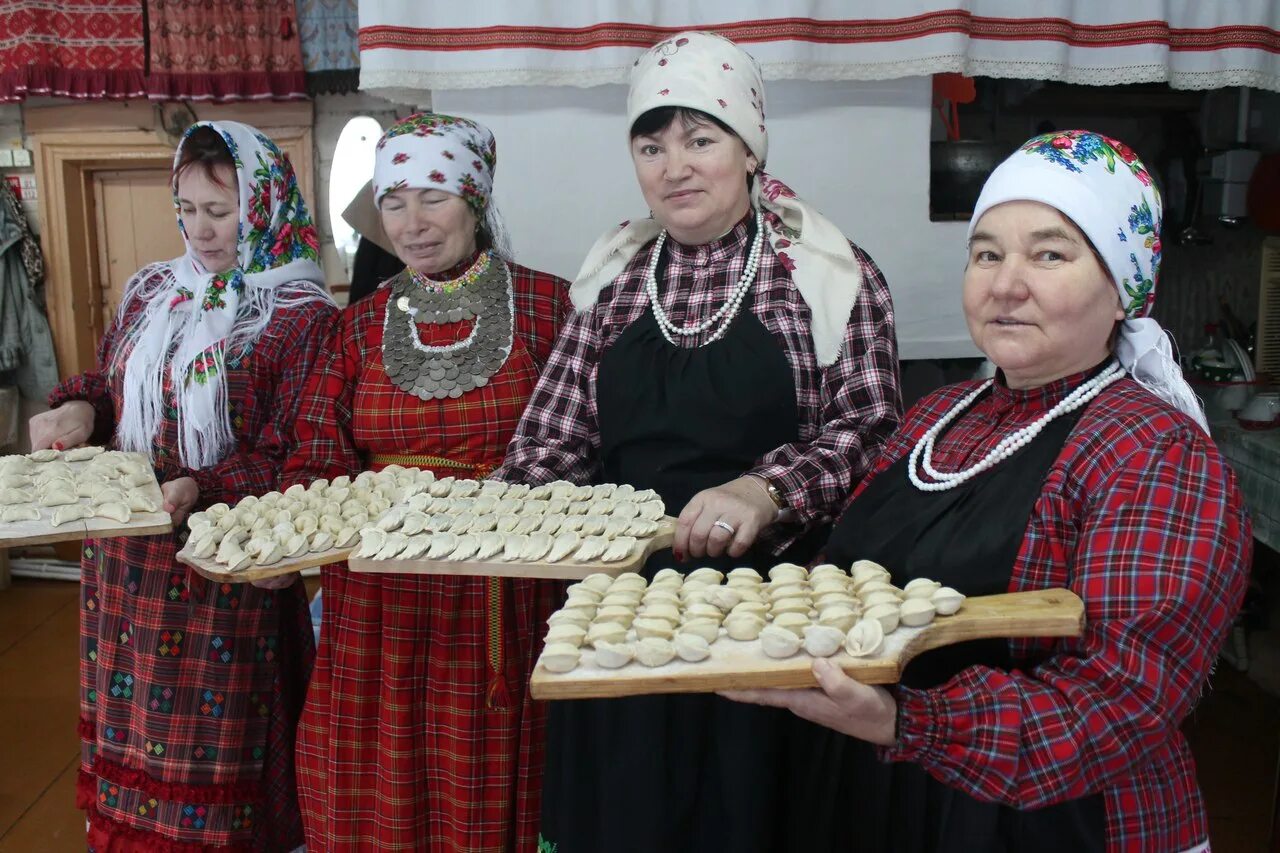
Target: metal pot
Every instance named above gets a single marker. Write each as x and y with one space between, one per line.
957 171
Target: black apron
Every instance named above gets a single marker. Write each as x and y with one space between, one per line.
967 538
683 772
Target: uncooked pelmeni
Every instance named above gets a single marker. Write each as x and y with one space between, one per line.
743 626
921 588
442 545
865 638
43 455
840 617
564 544
417 545
491 544
652 510
513 545
536 547
19 512
822 641
371 541
60 497
604 632
392 547
67 513
560 657
653 628
887 615
621 613
468 546
779 642
690 647
916 612
654 651
591 549
614 655
565 633
707 629
114 510
793 622
619 549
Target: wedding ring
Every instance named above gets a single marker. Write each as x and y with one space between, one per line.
724 525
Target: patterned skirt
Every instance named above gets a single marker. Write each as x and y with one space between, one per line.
418 732
190 692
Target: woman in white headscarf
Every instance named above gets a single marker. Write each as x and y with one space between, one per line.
190 689
419 732
1085 464
736 353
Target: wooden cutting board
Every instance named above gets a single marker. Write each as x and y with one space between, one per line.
214 570
564 570
736 665
42 532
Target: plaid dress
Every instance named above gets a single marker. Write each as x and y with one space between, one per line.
190 689
418 732
1140 516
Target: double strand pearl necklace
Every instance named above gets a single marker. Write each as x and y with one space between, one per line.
726 313
922 453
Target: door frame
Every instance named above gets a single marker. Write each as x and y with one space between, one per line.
70 143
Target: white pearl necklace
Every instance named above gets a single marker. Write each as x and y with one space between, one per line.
726 313
922 453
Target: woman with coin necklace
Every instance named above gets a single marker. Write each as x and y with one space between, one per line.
418 732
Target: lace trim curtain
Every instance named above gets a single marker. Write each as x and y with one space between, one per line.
1192 44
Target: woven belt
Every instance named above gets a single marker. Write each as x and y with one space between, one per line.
423 460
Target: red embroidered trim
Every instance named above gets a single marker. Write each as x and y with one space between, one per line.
110 836
232 794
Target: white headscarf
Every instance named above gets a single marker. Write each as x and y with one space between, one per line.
204 319
711 74
450 153
1102 186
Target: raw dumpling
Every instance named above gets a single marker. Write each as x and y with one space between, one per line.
47 455
468 545
60 497
490 544
652 510
591 549
536 547
602 490
614 655
371 542
416 547
80 454
15 481
551 524
442 545
654 651
865 638
10 497
70 512
139 502
562 546
560 657
822 641
619 549
779 642
513 546
19 512
691 647
138 478
114 510
392 547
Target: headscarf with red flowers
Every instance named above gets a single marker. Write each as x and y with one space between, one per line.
1102 186
204 319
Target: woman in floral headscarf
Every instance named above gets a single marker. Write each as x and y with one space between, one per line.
190 689
736 353
1085 464
419 732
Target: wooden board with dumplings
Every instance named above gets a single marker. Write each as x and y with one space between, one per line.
620 636
58 496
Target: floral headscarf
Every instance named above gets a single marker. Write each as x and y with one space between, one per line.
206 319
1102 186
450 153
711 74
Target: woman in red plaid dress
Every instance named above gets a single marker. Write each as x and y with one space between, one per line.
1086 463
191 689
418 732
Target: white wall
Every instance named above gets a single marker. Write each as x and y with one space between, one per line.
857 151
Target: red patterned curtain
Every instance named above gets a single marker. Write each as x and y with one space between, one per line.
224 50
71 48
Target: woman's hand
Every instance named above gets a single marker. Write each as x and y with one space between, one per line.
850 707
723 520
180 496
69 425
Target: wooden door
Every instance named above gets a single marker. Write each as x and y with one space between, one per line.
135 225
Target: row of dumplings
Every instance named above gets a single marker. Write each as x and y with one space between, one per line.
537 547
321 517
624 619
115 484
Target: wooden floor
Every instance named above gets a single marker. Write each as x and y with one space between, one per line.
1235 733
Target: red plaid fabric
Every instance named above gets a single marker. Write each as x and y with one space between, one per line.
1141 517
419 733
190 689
846 411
